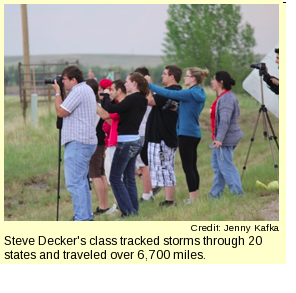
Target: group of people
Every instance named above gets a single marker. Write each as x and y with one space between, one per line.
172 121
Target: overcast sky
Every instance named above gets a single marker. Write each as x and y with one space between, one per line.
115 29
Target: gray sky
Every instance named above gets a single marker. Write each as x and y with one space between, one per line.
113 29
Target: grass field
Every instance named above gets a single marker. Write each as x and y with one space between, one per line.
31 171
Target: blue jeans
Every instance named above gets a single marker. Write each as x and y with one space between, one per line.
225 172
76 161
123 164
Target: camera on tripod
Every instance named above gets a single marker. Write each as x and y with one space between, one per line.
51 81
59 80
260 66
170 104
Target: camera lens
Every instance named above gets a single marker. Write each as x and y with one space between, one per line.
49 81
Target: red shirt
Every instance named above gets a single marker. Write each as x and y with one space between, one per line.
111 130
213 113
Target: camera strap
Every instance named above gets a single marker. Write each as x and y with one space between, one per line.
161 154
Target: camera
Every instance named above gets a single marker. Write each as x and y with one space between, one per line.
260 66
51 81
104 95
59 79
170 104
161 156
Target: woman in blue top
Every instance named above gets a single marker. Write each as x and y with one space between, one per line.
192 101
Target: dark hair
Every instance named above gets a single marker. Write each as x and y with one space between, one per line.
224 76
94 85
142 83
119 84
73 72
175 71
277 50
143 70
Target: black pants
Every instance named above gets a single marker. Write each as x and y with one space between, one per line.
188 153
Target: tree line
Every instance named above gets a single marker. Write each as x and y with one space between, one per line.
210 36
199 35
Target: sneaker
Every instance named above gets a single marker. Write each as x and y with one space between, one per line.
98 211
168 203
188 201
112 210
150 198
211 197
156 189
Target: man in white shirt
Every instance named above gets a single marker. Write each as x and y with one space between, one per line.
78 111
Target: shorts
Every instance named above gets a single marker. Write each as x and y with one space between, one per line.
161 160
96 164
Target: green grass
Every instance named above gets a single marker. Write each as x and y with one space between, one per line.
31 171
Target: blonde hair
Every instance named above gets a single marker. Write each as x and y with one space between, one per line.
199 74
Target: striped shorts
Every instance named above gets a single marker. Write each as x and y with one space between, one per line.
161 160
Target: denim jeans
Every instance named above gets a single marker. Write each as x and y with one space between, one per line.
123 164
76 161
225 172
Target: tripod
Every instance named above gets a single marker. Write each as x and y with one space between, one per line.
59 126
266 126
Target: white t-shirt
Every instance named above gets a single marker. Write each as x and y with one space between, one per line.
144 121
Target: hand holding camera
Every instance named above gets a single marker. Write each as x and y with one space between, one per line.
56 87
171 105
148 78
57 84
105 95
261 67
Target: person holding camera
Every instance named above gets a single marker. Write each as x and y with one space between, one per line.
192 102
272 81
142 168
161 135
226 134
96 166
131 111
117 94
78 111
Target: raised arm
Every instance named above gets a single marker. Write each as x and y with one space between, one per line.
182 95
116 108
151 101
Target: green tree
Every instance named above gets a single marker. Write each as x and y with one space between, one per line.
211 36
12 75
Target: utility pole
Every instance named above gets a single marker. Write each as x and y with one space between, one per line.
26 53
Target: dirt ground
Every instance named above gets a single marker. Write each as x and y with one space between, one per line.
270 212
